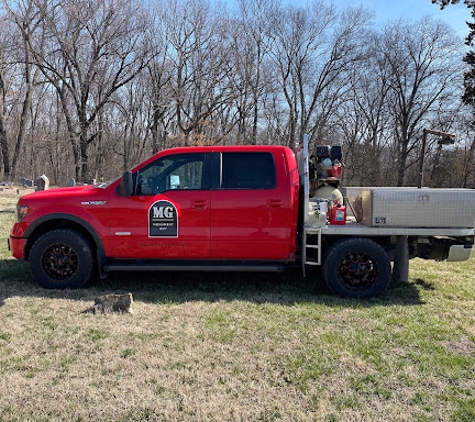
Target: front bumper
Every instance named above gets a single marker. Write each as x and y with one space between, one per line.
16 246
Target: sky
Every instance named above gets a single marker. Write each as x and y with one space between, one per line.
454 15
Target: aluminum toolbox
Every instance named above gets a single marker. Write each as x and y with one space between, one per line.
413 207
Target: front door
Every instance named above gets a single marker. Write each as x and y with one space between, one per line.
168 215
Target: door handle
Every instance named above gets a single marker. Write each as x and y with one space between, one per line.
275 203
200 204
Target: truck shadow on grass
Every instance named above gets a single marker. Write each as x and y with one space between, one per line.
286 288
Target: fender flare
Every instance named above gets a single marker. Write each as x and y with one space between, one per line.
101 256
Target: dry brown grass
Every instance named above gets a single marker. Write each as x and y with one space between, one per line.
237 348
14 192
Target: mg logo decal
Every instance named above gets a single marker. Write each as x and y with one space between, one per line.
162 220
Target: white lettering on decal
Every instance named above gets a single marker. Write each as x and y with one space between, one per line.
163 212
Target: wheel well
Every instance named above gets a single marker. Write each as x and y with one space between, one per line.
57 224
383 241
357 267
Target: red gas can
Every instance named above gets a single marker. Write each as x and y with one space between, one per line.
338 214
335 171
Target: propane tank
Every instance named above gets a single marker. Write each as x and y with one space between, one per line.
329 192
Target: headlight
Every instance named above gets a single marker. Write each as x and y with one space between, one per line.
21 212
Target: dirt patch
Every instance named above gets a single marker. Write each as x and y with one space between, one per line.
464 346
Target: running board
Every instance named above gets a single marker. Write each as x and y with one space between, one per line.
192 267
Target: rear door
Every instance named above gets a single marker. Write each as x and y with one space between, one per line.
250 206
168 216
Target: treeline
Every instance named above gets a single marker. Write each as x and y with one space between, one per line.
88 88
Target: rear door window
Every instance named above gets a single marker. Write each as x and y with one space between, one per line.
247 170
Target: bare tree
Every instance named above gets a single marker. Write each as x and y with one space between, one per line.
250 44
160 92
366 122
313 49
4 147
90 81
92 49
422 58
23 22
128 122
198 50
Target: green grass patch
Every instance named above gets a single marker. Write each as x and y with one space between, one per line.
233 347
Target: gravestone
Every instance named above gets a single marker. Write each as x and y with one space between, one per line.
27 183
42 183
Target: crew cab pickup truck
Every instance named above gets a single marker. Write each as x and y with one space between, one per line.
222 208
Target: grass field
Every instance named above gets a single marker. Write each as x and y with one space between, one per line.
230 347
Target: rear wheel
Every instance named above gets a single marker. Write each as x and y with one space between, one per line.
357 267
62 259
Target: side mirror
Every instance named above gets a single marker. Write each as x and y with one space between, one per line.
127 184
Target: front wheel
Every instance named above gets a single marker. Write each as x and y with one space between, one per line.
62 259
357 268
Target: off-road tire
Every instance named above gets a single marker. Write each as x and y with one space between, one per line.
62 259
356 268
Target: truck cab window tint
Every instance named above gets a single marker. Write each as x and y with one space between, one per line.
183 171
247 170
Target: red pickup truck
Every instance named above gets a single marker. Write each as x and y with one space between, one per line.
200 204
203 208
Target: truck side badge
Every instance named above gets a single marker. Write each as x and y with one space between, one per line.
162 220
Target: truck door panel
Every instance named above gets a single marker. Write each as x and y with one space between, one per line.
168 216
250 206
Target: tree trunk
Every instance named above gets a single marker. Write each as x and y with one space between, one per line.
84 160
401 164
3 135
23 122
5 151
27 101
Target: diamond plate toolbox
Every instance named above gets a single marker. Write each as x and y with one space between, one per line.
413 207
